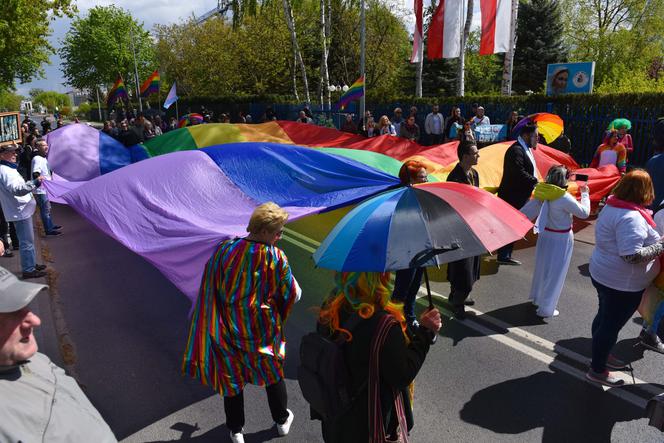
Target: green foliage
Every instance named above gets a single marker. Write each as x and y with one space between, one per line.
255 56
34 92
623 37
83 110
539 42
98 48
51 99
10 101
24 28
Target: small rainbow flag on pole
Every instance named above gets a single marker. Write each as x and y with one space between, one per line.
151 85
355 92
117 92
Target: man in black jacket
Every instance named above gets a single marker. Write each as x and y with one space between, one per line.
519 179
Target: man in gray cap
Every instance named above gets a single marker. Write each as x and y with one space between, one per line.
39 402
18 205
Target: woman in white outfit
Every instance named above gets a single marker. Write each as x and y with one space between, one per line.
554 209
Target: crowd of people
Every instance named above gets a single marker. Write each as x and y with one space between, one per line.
248 288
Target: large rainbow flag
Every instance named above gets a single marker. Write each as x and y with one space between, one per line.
151 85
355 92
184 191
118 91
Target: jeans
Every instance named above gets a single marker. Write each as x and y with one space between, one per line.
277 400
45 211
26 239
505 252
615 309
406 286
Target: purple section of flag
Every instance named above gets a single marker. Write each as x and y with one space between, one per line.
79 161
172 210
171 98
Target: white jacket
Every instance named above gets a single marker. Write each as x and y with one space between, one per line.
16 195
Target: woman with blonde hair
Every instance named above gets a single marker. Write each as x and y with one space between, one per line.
623 264
555 209
378 349
236 335
385 127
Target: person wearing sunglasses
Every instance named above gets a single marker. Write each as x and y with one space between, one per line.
236 335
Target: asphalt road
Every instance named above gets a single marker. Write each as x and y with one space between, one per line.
501 375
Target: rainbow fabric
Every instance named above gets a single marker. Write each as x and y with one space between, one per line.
118 91
151 85
355 92
316 173
232 343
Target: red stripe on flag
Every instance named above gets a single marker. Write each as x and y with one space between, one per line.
487 42
435 33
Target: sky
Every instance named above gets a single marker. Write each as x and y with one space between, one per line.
150 12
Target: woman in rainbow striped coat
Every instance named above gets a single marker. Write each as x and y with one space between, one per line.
236 334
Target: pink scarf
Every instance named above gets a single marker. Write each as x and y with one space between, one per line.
617 203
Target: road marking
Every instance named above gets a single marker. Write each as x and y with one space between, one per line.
525 335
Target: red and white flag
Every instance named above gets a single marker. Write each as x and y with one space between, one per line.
496 26
444 35
418 41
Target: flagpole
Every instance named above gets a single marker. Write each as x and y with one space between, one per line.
133 50
98 104
362 60
509 56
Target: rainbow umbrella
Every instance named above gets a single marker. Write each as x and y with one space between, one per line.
549 125
620 123
190 119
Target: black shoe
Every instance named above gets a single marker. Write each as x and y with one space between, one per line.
8 253
469 302
54 233
56 228
34 274
508 261
651 341
40 267
459 312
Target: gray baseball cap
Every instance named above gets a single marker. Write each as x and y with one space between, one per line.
16 294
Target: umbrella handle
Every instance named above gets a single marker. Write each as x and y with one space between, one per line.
426 281
431 306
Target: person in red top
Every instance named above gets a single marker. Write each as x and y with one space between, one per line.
622 125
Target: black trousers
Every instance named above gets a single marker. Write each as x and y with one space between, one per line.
7 228
277 400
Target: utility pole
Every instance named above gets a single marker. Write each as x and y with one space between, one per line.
133 50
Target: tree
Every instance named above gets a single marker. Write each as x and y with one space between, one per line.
24 27
9 101
621 36
51 99
539 42
34 92
97 49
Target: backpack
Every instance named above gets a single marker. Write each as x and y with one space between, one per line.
323 375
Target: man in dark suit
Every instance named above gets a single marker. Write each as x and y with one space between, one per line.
462 274
519 179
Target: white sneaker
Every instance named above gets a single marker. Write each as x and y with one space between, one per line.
237 438
285 427
556 313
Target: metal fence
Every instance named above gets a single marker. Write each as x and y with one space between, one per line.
584 123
